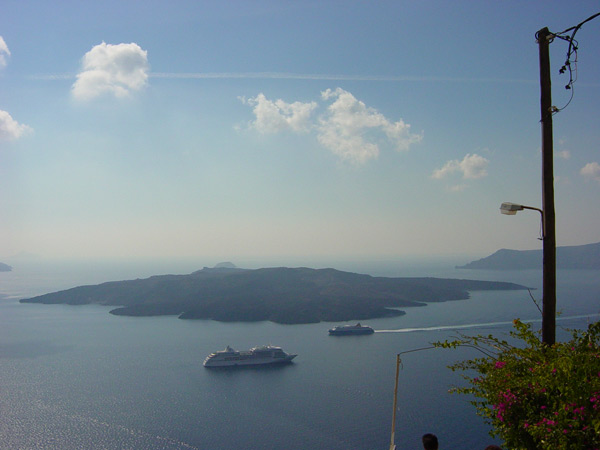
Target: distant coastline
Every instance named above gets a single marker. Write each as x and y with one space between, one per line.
5 267
569 257
281 295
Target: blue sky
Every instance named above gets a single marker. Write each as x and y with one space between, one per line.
289 129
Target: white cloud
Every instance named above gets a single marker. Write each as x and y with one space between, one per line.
112 69
349 128
449 167
276 116
591 171
4 52
472 167
564 154
344 128
10 129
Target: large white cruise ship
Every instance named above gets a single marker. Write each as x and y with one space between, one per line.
266 354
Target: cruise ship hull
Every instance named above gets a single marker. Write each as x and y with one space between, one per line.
249 362
347 332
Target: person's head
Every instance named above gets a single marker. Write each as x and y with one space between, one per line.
430 442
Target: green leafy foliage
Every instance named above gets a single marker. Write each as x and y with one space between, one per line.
533 395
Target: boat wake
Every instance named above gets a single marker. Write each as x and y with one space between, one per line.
480 325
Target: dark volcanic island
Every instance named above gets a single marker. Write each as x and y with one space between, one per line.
281 295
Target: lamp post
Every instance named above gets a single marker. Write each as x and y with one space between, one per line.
549 273
544 37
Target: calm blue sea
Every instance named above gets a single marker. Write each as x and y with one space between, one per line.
76 377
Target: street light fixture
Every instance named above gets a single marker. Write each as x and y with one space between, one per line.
510 209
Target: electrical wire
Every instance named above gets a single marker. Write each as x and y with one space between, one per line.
570 64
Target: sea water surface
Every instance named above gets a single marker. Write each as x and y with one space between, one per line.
75 377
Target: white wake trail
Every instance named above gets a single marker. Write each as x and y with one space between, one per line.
479 325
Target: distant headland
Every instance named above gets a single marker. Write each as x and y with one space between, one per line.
5 267
572 257
282 295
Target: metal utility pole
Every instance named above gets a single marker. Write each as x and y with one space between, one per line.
549 259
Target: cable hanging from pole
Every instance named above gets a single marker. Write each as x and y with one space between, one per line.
570 64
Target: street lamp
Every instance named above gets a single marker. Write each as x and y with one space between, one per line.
510 209
549 271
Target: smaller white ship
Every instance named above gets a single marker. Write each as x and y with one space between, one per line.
351 329
266 354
